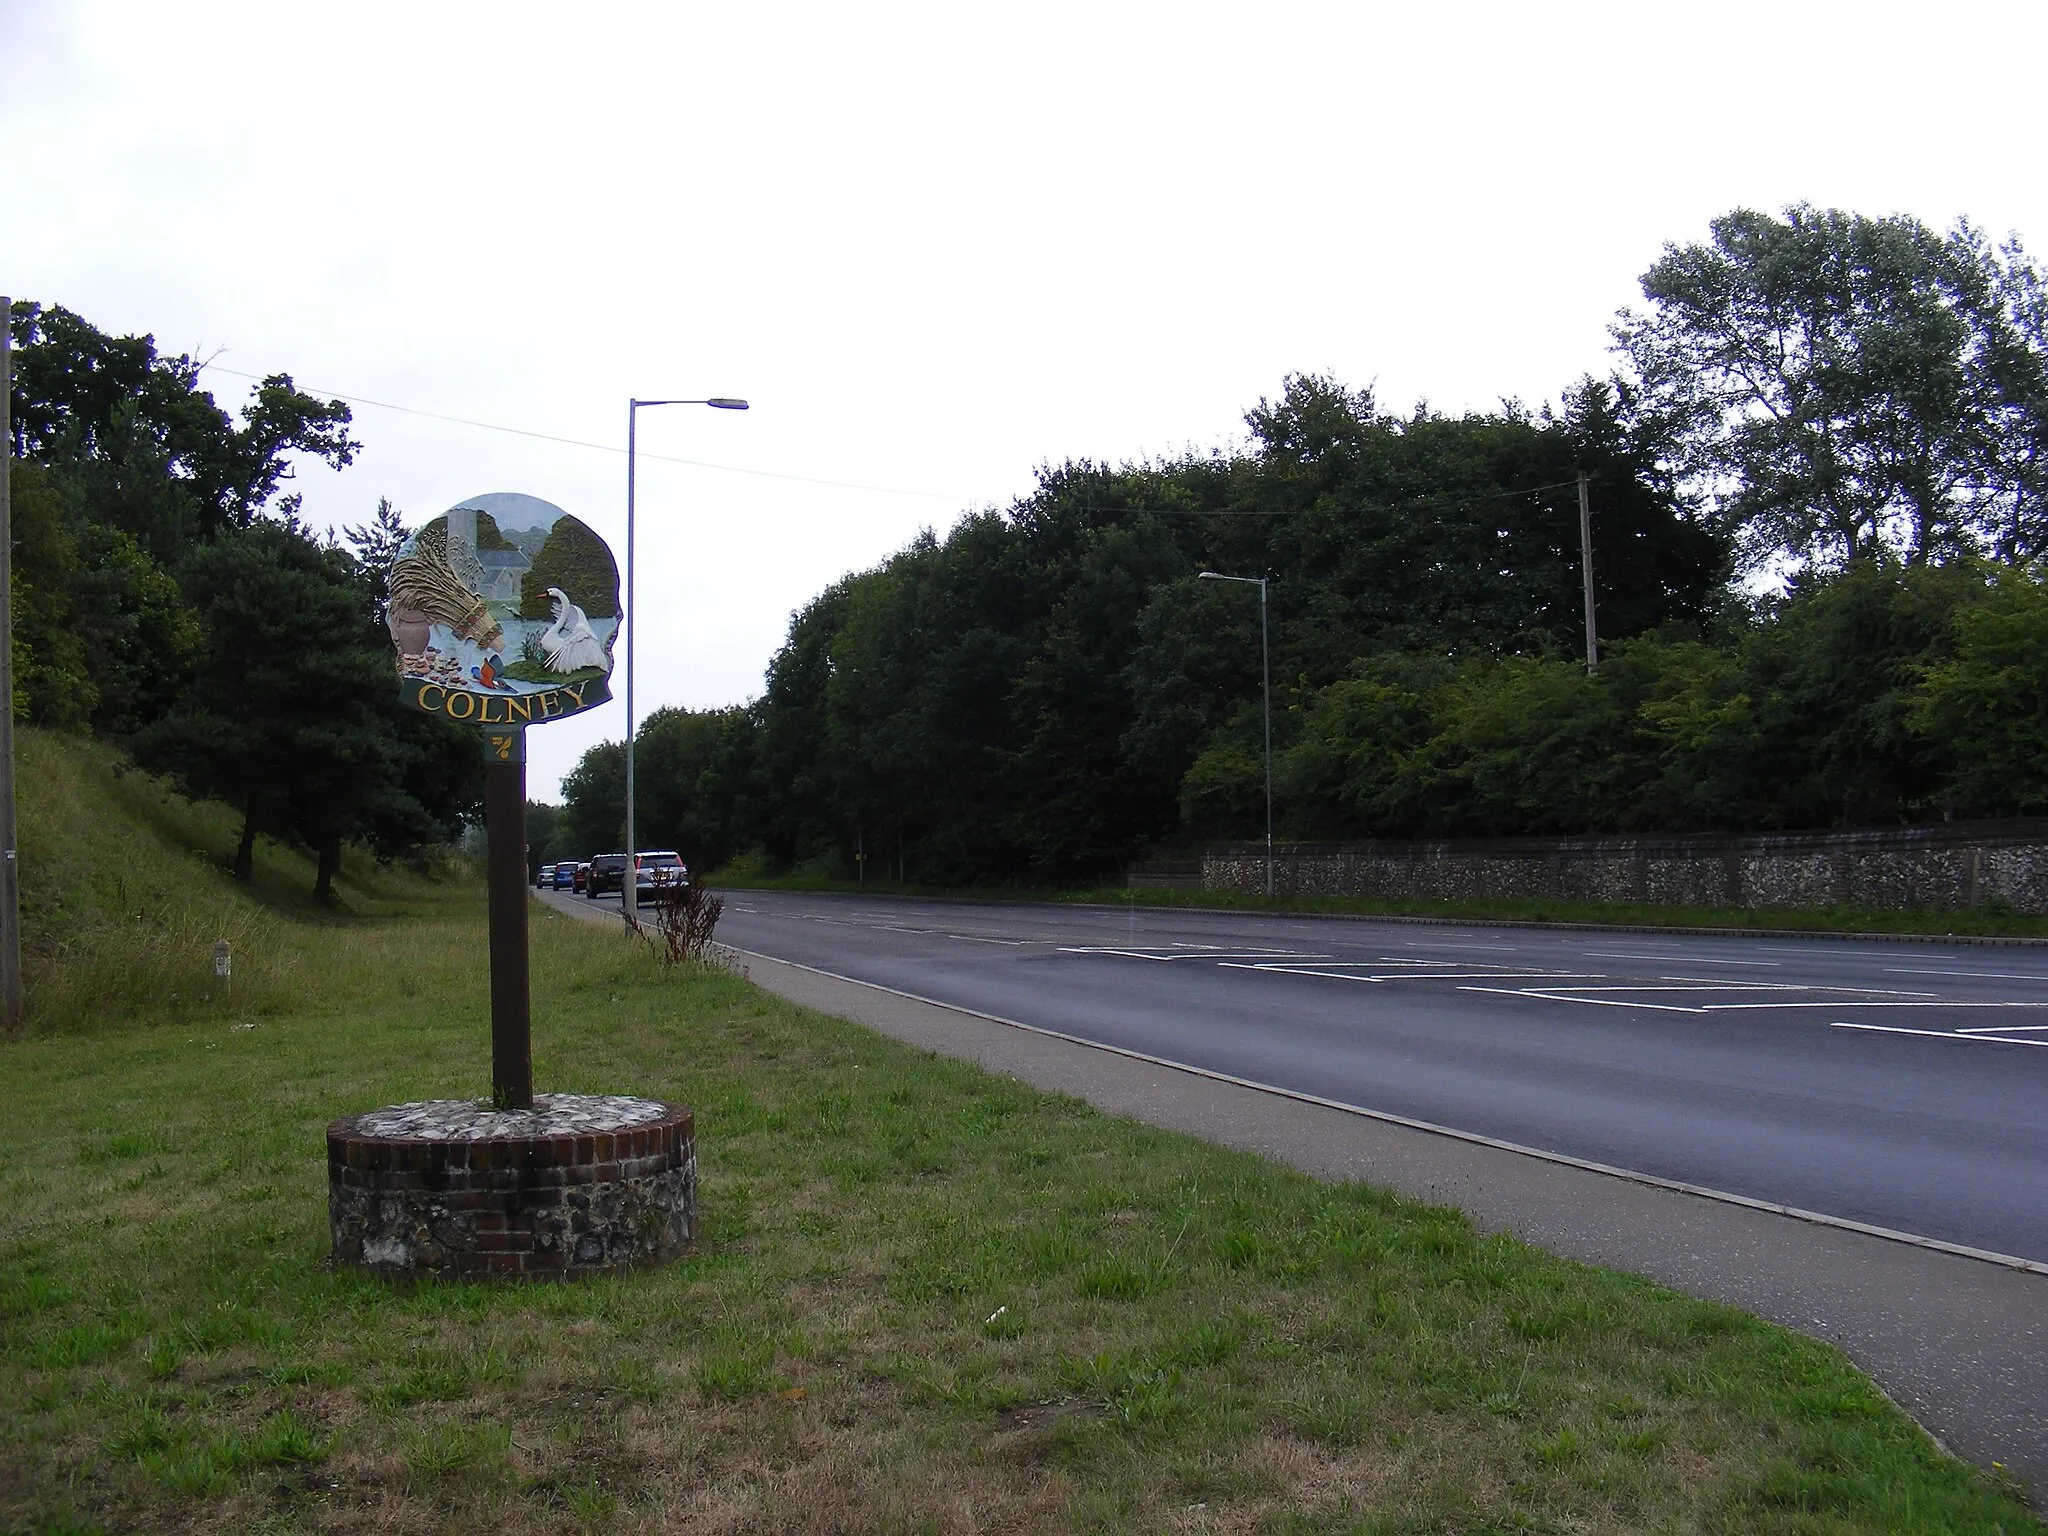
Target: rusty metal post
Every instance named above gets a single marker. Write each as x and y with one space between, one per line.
505 877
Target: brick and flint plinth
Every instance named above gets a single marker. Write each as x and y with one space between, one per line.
578 1185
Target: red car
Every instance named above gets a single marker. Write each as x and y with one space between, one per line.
582 877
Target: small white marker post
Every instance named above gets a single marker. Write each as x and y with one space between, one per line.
224 968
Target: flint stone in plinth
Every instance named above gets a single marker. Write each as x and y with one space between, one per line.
578 1185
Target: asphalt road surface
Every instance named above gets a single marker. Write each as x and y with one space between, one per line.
1900 1085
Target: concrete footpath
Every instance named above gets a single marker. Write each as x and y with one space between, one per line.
1961 1343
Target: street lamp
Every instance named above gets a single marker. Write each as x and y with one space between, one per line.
1266 685
629 893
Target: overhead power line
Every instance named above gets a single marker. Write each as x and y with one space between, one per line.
577 442
852 485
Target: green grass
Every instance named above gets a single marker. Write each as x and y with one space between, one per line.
1988 922
925 1298
125 890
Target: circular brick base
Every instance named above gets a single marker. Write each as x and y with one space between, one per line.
575 1186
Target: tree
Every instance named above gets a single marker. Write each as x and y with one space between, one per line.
1987 704
291 715
1023 698
576 560
149 451
1834 386
594 802
696 777
376 545
102 635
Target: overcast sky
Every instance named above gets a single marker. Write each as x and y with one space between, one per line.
936 246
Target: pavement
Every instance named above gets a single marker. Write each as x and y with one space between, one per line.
1570 1084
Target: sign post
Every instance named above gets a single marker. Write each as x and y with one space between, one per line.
505 878
504 612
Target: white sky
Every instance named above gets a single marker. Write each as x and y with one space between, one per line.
938 245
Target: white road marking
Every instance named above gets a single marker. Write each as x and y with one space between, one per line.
1296 970
1853 1003
1139 954
898 928
1805 986
1934 1034
1998 1029
1907 970
1505 949
1726 986
1615 954
1590 1002
975 938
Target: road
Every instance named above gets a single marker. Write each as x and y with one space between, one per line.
1774 1069
1898 1085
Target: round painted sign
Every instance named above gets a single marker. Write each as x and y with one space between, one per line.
504 612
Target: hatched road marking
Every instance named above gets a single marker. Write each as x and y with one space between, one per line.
1695 995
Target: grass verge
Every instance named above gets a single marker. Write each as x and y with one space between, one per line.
1982 922
926 1298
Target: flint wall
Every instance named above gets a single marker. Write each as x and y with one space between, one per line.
1955 865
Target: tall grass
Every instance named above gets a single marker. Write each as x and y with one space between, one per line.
126 889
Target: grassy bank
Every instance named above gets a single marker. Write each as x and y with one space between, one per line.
125 890
925 1298
1976 921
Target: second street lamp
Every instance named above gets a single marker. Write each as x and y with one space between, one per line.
1266 689
629 882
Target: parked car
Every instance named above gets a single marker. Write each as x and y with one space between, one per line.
581 880
544 877
607 871
565 877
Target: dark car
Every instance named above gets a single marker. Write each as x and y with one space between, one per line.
565 877
607 874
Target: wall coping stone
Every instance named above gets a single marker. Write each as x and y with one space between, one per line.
553 1114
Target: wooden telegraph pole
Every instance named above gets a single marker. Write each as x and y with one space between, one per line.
10 865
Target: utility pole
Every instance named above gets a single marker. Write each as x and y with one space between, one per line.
10 865
1266 688
1586 569
629 882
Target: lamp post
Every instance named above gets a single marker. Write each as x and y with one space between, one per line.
1266 687
629 882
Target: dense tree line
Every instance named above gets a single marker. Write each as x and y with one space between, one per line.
166 596
1846 414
